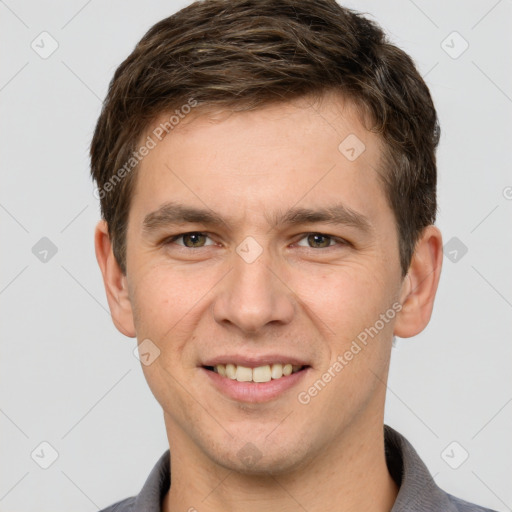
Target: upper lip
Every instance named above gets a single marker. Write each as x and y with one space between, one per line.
253 361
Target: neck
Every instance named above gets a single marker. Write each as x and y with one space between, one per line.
353 475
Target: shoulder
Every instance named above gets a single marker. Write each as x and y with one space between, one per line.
465 506
125 505
152 492
418 490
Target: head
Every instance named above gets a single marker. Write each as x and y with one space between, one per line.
298 144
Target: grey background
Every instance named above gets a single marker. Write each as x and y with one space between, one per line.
70 379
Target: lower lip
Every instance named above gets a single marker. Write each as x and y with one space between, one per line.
254 392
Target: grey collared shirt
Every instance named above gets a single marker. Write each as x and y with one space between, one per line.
417 490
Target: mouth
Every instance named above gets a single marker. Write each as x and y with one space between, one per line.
255 384
259 374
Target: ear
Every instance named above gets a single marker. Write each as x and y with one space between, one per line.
419 286
114 281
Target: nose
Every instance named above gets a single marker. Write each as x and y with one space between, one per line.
253 296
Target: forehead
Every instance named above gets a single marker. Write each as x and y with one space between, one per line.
263 160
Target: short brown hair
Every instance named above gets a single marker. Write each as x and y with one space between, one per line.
243 54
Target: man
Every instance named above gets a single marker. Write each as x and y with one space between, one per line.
267 178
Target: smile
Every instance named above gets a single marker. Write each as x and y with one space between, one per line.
264 373
258 384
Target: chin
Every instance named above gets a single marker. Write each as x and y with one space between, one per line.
261 458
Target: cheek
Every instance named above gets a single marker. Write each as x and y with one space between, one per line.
346 307
162 302
344 300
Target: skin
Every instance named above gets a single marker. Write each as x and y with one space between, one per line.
299 297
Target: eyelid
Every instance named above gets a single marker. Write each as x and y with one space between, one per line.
172 239
339 240
336 239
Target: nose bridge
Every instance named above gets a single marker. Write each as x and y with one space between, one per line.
253 295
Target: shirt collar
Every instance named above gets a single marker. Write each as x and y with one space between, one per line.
417 489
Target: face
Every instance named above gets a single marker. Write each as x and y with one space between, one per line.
257 245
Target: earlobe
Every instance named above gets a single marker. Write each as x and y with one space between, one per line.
114 281
419 286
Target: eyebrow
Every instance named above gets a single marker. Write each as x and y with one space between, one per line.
336 214
172 213
175 213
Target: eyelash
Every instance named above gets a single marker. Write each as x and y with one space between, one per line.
340 241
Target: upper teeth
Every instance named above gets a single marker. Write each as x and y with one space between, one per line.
258 374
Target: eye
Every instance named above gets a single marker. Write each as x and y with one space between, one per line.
194 239
319 241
